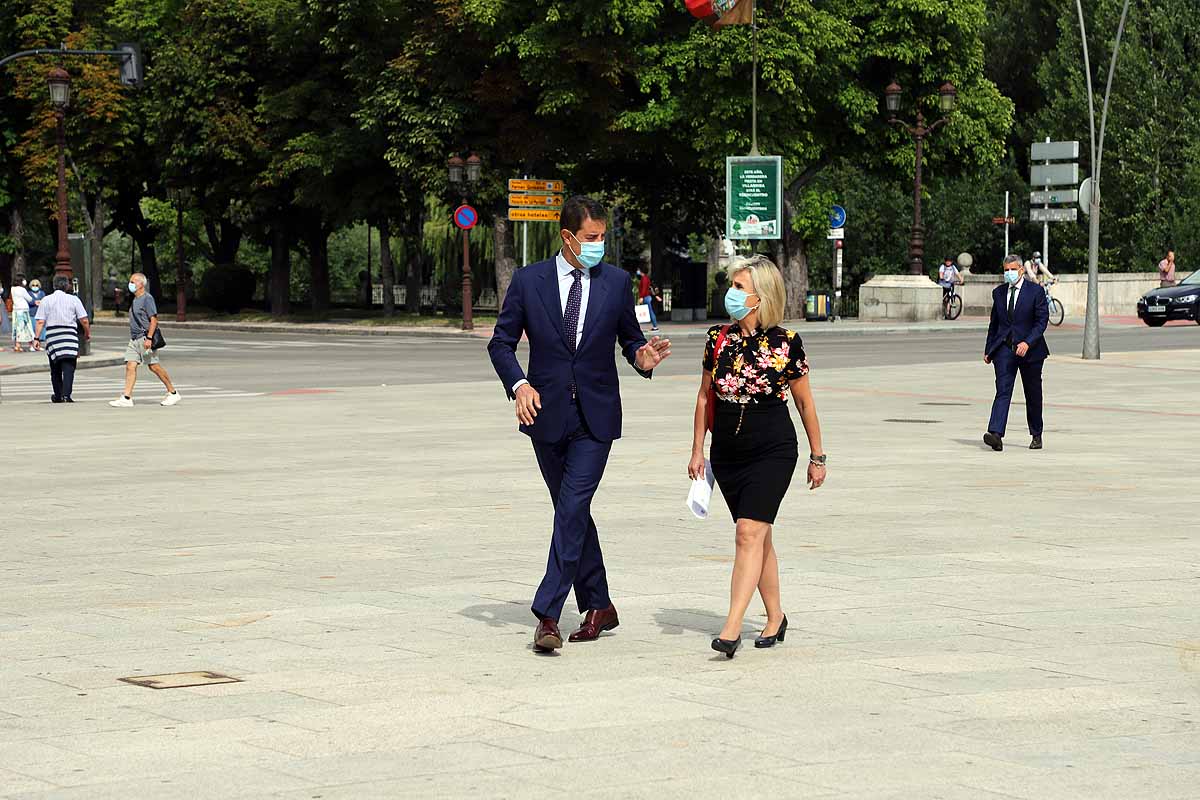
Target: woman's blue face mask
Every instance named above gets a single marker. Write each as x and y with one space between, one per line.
735 303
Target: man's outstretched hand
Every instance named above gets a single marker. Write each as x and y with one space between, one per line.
651 354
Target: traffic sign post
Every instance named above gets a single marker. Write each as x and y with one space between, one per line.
837 234
533 215
1044 176
534 185
466 217
533 200
536 200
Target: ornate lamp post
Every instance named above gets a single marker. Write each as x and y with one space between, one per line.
473 168
60 98
948 96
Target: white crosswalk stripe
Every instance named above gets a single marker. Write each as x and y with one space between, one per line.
90 388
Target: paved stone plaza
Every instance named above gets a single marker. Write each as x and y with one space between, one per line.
964 624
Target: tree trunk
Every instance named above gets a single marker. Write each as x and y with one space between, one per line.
506 260
414 277
17 232
795 266
318 260
96 234
279 283
225 239
387 268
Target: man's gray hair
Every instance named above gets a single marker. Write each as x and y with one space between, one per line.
1012 258
62 283
138 278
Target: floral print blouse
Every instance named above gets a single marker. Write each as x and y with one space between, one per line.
756 368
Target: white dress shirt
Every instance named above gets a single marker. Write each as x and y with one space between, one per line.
565 281
1017 298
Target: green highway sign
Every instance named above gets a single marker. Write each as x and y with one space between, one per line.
753 197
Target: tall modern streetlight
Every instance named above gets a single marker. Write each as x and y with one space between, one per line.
464 175
60 98
948 96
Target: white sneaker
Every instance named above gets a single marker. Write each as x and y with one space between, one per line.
171 399
122 402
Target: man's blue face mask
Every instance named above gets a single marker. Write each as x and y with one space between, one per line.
590 253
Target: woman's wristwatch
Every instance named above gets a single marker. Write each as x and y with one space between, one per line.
816 461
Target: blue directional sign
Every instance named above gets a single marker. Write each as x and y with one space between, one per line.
837 217
466 217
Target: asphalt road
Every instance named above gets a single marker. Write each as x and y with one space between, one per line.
235 363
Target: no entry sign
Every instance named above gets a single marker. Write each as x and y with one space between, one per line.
466 217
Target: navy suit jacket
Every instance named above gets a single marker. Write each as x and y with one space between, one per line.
1028 324
533 307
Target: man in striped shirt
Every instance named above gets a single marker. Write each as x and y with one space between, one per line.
60 315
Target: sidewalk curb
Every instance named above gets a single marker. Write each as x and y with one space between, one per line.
292 327
803 328
93 362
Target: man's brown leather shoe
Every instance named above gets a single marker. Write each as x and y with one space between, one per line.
594 623
547 638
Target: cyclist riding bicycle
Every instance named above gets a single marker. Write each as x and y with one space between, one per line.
1037 271
948 278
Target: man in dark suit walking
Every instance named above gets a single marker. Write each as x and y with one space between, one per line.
1016 342
574 311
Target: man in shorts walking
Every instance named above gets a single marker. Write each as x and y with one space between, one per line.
143 321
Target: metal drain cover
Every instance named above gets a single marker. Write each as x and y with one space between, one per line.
180 680
916 421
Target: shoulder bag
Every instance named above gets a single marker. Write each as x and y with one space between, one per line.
711 410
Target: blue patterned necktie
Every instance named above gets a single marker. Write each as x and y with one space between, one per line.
574 303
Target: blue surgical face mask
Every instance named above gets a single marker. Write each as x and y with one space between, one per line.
735 304
590 253
132 287
1011 276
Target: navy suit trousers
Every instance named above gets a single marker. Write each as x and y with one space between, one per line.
572 469
1007 366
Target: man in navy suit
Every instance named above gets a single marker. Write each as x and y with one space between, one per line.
574 311
1016 342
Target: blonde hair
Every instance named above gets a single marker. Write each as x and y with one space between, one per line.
768 285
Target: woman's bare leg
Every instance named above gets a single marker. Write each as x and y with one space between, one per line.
747 570
768 585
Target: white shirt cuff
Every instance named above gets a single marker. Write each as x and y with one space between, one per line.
519 384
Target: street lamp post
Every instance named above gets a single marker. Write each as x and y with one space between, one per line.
60 98
464 175
948 95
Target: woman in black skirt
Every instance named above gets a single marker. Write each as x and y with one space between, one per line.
750 368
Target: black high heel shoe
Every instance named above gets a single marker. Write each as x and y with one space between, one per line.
769 641
727 646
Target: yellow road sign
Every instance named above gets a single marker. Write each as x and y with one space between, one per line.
551 200
533 185
533 215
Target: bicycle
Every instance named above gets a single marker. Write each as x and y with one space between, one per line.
1057 313
952 303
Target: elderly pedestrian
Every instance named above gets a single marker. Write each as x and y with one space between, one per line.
143 322
59 317
22 325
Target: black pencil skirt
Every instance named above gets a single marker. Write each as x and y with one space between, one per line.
754 464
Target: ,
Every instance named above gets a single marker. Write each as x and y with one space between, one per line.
1171 302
